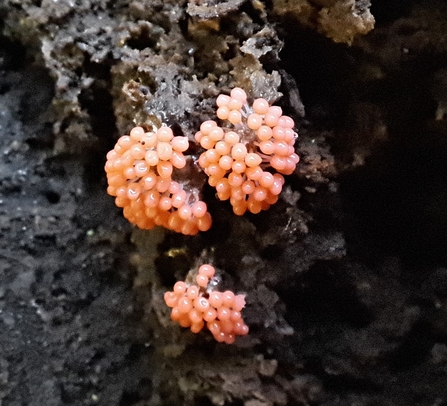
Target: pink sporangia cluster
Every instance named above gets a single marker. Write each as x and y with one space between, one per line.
245 161
139 173
198 305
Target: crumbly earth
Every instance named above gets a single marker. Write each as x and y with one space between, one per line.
345 277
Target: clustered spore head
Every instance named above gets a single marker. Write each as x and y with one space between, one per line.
245 159
198 305
139 173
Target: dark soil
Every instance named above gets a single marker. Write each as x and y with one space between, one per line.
346 277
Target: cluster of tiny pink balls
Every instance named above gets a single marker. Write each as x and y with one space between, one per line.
198 305
139 173
236 158
245 160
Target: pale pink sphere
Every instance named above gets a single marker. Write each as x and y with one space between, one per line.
260 106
